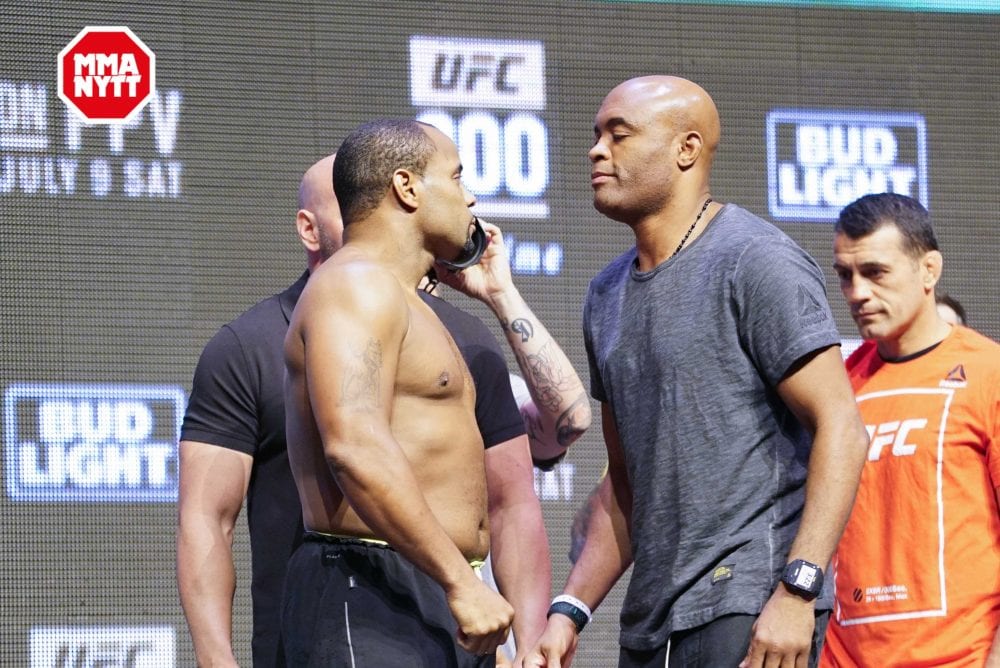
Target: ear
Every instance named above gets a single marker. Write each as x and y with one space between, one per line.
931 266
305 225
406 188
689 148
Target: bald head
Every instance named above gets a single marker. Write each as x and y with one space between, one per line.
683 104
319 224
316 188
654 141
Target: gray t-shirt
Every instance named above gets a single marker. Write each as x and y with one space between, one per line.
688 356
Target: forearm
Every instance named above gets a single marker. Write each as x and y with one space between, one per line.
607 552
838 454
521 567
206 580
563 409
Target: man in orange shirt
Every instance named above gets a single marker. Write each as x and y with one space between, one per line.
917 572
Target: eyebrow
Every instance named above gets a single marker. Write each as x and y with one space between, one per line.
862 266
614 122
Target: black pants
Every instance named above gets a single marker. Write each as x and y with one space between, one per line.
359 605
722 643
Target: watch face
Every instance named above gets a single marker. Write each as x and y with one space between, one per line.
805 576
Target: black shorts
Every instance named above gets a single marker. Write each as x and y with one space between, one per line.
362 605
721 643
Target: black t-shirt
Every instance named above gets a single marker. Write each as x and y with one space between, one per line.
237 402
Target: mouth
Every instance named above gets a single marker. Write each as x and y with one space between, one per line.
597 178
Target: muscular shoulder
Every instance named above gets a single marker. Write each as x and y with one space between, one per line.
352 287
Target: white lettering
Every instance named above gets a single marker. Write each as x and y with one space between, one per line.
90 464
557 484
84 62
23 109
511 155
479 146
895 433
811 145
526 155
100 177
166 112
143 179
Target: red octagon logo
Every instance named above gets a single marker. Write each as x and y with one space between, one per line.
106 74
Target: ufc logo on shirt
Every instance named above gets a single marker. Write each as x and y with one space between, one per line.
894 433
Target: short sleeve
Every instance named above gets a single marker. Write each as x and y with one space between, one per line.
222 409
497 413
782 309
596 385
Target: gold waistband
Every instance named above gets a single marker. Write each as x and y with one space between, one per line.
322 536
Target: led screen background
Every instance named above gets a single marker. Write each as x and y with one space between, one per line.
122 253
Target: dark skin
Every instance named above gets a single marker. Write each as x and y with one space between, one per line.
654 142
383 441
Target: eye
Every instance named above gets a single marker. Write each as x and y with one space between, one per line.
874 273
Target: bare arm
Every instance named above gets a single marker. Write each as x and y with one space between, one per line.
818 392
519 545
560 410
213 483
606 555
353 334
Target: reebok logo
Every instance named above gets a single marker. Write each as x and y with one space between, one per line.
955 378
809 309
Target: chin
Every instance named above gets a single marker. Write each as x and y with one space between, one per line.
871 333
610 210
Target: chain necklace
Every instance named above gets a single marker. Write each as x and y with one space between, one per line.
691 229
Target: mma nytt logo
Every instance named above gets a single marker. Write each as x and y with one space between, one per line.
106 74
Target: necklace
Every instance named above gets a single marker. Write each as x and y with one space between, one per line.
691 229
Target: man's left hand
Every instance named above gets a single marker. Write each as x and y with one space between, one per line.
782 634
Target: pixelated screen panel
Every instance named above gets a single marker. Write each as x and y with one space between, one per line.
122 250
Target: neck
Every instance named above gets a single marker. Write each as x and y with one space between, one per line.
926 330
394 246
660 236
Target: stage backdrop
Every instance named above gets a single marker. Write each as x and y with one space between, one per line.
122 250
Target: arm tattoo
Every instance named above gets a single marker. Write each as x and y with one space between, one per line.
567 427
360 385
523 327
544 378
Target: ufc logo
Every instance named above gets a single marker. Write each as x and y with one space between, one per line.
454 71
896 433
103 655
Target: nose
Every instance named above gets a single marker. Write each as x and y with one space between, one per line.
856 290
470 199
598 151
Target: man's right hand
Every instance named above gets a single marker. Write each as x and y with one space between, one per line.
556 646
484 617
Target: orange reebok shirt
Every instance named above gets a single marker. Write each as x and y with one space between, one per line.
917 573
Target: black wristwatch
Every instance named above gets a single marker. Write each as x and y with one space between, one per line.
803 578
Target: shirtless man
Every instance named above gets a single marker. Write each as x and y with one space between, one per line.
382 436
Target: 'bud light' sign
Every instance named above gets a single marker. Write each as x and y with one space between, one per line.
818 162
92 443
